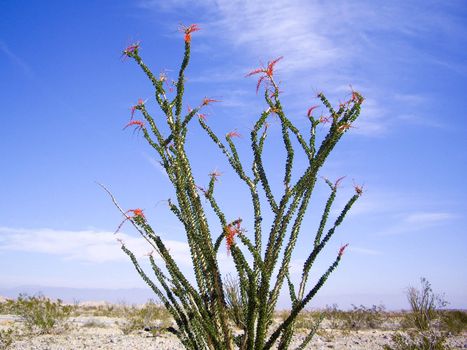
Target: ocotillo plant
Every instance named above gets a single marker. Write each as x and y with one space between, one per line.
201 311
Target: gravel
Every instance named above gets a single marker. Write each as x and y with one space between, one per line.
92 332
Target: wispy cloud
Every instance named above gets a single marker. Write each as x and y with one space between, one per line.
335 42
419 221
296 265
414 99
312 33
391 201
268 29
364 251
86 245
15 59
373 120
94 246
424 121
156 164
429 218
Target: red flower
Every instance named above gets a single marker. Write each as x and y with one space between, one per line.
137 106
230 231
356 97
233 134
139 124
202 116
229 238
325 120
310 110
338 181
342 249
267 72
207 101
358 189
136 213
131 49
188 30
215 174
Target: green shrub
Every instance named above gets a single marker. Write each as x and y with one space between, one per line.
423 322
233 298
308 320
334 316
416 340
361 317
6 307
151 316
40 314
6 338
424 305
107 310
453 321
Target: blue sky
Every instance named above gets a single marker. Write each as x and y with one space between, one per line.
66 96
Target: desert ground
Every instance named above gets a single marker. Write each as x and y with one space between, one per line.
107 326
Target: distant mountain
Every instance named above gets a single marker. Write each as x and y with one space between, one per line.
70 295
141 295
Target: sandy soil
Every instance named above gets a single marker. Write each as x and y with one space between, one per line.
93 332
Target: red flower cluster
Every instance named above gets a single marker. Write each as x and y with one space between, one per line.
202 116
131 49
356 97
338 181
137 213
233 134
310 111
358 189
137 106
138 123
207 101
230 231
325 120
342 249
215 174
267 72
188 30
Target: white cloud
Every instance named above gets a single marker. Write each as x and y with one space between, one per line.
364 251
95 246
311 33
86 245
425 121
334 43
429 217
414 99
418 221
373 120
